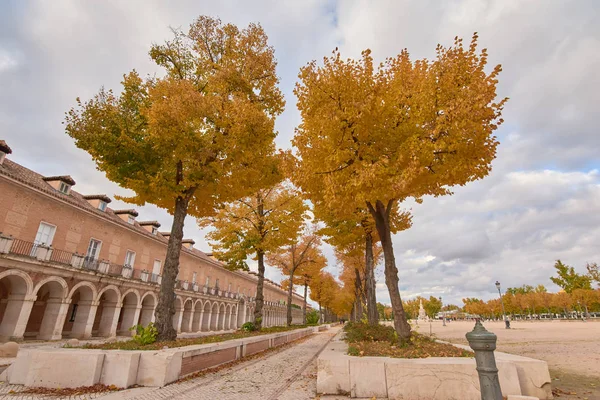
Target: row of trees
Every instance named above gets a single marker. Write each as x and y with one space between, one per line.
199 140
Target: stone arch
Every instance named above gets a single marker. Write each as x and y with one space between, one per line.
137 294
16 303
148 304
107 312
82 309
241 314
206 316
89 285
58 279
49 310
130 312
188 314
214 321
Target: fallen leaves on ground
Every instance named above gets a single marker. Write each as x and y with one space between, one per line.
64 392
419 347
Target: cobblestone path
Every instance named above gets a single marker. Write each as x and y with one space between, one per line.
289 374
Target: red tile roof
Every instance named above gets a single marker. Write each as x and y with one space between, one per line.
129 211
63 178
153 223
102 197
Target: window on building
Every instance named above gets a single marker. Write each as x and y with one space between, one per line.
130 258
207 281
194 275
156 267
64 188
94 249
102 205
73 313
238 292
217 283
130 219
229 288
154 230
45 234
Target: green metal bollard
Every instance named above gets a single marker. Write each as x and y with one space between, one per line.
483 343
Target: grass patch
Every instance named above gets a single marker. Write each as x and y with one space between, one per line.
382 341
132 345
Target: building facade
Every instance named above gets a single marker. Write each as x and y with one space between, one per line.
70 266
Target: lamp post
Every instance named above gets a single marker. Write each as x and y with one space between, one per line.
443 313
506 321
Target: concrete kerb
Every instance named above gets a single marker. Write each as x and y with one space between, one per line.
425 378
86 367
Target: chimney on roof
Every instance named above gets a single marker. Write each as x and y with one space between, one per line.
189 243
4 151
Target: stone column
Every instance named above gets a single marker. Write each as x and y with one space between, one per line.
109 319
131 314
209 320
177 319
54 319
84 319
16 314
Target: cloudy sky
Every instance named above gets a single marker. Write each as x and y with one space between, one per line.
540 203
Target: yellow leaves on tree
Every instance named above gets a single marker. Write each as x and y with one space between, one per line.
371 137
254 226
200 136
302 256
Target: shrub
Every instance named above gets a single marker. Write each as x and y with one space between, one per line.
361 332
248 327
144 334
312 317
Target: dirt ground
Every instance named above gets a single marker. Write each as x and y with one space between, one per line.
571 349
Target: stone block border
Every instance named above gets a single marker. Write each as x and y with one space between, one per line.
68 368
443 378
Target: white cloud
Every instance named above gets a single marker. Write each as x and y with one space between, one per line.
541 202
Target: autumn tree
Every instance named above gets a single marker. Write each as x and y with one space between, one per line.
433 306
254 226
593 272
304 277
568 279
322 290
192 139
293 258
373 137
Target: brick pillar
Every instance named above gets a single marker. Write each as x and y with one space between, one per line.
84 319
131 314
54 319
109 319
16 314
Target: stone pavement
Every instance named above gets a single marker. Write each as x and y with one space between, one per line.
289 374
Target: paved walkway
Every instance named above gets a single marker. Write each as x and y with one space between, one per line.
289 374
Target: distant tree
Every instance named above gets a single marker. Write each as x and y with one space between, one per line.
253 226
585 298
381 311
594 272
562 301
433 306
291 259
521 290
568 279
191 140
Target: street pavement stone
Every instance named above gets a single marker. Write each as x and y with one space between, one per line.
289 374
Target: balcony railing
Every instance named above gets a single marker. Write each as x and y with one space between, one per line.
46 253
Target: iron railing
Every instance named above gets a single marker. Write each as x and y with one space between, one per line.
61 256
23 248
154 278
90 263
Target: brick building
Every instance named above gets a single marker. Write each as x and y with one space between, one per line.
70 266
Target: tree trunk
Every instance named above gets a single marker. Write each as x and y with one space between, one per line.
372 314
381 216
260 255
304 308
358 285
289 305
165 309
320 315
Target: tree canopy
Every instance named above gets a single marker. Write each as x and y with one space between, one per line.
192 139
